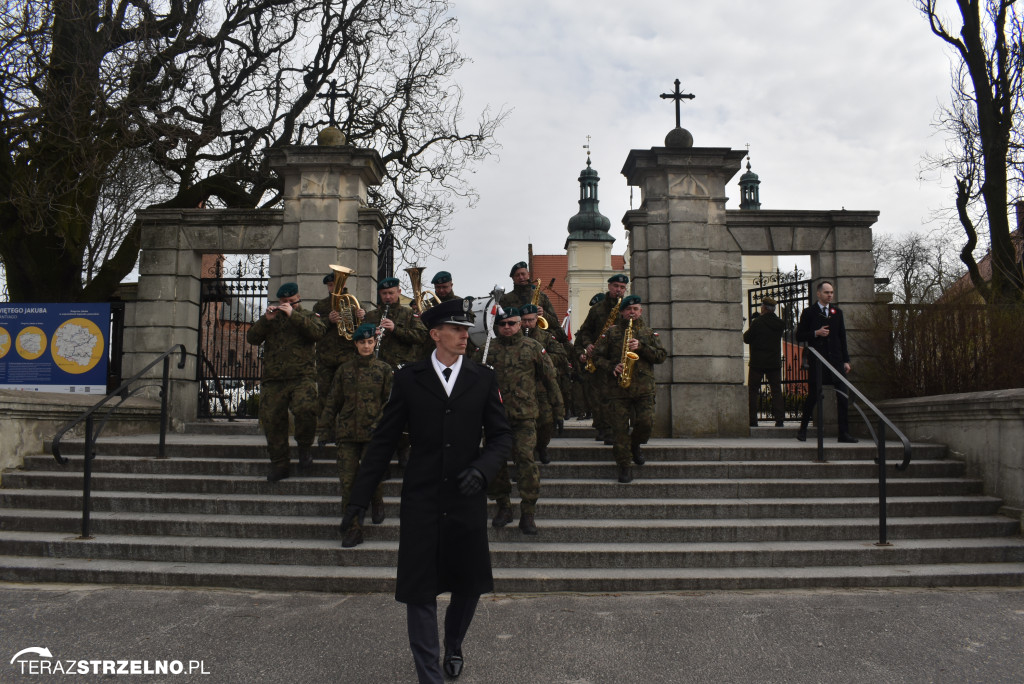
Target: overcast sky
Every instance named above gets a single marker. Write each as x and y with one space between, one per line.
835 98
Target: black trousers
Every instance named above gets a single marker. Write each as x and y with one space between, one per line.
421 619
774 376
842 402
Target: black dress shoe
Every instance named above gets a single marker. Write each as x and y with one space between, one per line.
377 512
848 439
453 663
801 434
278 473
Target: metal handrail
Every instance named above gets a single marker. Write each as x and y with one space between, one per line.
92 435
878 438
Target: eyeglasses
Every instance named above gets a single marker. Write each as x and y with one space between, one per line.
507 324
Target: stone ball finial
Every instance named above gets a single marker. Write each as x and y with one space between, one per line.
330 137
679 137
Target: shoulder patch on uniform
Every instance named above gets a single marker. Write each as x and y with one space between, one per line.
655 334
543 351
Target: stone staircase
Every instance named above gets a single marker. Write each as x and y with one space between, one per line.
702 514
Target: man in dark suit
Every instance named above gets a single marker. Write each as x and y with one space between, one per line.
822 327
765 339
446 402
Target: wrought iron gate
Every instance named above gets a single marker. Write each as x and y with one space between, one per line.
229 368
792 294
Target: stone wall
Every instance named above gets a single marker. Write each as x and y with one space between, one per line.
984 429
29 421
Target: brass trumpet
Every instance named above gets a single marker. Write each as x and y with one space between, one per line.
345 304
421 299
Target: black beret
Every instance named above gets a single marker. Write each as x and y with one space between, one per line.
453 311
287 290
386 283
630 300
519 265
619 278
441 277
597 298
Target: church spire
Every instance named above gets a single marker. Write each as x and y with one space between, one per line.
750 195
589 224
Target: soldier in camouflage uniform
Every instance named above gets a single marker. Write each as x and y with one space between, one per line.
522 369
546 418
599 386
404 334
359 390
288 334
333 349
445 292
633 404
522 294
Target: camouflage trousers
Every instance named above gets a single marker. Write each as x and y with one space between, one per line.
324 378
597 394
524 441
277 397
349 456
545 424
623 412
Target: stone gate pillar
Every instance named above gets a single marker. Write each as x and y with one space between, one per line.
686 268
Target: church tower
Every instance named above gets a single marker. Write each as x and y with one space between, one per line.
750 195
588 247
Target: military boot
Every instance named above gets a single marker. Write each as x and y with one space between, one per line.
305 458
377 514
527 525
354 536
625 474
278 473
542 455
503 516
638 458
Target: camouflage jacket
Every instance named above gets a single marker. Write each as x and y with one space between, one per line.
608 354
288 344
523 370
522 295
405 342
554 349
590 331
333 349
358 393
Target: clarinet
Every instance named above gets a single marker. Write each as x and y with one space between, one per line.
380 335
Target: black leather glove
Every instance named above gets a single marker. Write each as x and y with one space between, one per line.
352 513
471 481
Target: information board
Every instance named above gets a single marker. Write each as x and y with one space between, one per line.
54 347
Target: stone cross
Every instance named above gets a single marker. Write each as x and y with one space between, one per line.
332 96
678 97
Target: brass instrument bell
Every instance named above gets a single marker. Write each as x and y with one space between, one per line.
421 299
345 304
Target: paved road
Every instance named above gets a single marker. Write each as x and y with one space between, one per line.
939 635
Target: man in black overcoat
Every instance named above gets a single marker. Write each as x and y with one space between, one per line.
765 339
446 402
822 327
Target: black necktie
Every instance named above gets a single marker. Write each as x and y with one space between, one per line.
447 372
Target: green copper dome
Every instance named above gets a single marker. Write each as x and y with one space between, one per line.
589 223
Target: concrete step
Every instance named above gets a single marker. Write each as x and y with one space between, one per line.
641 487
521 553
346 579
618 530
327 468
274 504
238 426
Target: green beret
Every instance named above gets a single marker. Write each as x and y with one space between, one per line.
287 290
329 278
364 332
386 283
619 278
511 312
630 300
519 265
597 298
527 309
441 277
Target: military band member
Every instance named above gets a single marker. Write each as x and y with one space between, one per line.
442 282
522 294
547 417
333 349
634 404
403 333
358 392
523 369
288 334
599 385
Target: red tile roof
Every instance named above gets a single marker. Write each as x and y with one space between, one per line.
548 266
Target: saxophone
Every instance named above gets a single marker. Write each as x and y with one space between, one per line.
609 322
628 358
542 322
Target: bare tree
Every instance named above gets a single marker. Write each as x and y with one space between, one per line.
985 157
919 266
186 96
